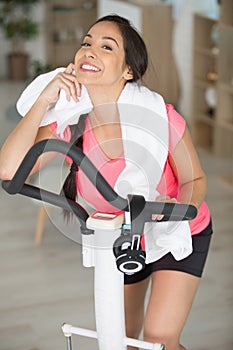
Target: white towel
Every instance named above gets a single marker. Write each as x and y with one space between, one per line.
62 111
167 237
144 127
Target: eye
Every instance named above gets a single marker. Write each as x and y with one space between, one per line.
106 47
85 44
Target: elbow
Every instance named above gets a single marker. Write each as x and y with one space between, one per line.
200 184
7 168
203 183
6 174
200 180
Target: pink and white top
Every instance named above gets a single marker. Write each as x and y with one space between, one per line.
112 168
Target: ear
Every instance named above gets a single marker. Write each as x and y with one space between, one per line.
128 75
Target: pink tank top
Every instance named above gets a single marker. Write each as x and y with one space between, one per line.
112 168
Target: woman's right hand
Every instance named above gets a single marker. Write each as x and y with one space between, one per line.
64 80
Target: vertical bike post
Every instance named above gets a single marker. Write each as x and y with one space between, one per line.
109 292
68 343
68 336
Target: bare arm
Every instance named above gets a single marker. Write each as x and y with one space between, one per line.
22 138
28 130
187 168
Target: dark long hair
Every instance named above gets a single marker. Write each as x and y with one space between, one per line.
136 57
69 188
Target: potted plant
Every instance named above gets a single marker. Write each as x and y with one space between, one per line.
18 27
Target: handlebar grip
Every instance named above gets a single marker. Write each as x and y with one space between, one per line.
173 211
142 211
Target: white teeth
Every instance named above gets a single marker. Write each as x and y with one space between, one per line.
89 67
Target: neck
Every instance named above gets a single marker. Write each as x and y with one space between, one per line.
103 95
104 114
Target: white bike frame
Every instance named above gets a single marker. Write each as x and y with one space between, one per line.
109 291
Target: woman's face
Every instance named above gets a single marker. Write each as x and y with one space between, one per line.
101 58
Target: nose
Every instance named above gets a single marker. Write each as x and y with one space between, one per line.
90 53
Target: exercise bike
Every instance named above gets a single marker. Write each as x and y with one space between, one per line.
111 242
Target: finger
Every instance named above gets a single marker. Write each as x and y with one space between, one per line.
162 198
72 78
156 217
69 69
78 88
70 83
172 200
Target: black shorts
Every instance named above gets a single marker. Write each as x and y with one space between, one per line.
193 264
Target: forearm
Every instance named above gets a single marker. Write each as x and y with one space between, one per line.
193 192
21 139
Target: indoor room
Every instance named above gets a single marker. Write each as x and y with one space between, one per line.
44 282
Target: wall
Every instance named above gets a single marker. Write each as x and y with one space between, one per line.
183 11
182 45
35 48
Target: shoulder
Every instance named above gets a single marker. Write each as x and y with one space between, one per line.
174 118
177 125
139 95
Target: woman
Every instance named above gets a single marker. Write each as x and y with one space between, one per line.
112 55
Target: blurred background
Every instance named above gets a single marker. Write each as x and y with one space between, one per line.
190 47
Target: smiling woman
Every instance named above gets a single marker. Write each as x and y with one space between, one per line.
101 61
109 67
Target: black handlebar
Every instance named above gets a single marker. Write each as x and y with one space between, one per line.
175 212
18 182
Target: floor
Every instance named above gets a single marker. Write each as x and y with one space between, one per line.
43 286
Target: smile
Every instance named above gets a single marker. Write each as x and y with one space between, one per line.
89 67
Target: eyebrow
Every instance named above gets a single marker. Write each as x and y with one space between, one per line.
105 38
